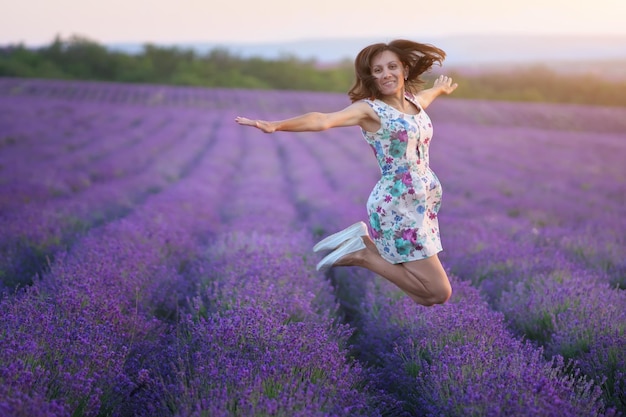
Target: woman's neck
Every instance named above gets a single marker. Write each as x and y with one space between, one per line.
399 102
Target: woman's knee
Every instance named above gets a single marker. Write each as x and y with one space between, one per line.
434 279
442 295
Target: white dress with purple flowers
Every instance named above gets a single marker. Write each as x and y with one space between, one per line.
404 203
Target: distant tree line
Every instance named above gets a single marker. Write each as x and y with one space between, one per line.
82 59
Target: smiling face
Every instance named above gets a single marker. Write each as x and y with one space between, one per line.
388 72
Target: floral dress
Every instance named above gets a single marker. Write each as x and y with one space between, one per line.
403 205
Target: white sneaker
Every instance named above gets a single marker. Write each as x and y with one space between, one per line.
333 241
353 244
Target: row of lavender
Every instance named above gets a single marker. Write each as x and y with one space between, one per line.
548 237
173 314
186 304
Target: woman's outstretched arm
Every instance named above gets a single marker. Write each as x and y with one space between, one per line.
442 85
356 114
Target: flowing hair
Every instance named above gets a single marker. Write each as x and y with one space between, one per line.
418 57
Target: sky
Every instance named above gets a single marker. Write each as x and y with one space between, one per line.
37 22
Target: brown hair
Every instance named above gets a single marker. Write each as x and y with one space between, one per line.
418 57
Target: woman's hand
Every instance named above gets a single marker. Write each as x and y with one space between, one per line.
263 125
444 84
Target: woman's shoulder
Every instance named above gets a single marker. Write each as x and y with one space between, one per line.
367 111
409 95
370 101
412 97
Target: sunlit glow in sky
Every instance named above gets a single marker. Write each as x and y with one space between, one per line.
35 22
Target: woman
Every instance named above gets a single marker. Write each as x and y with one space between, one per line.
388 105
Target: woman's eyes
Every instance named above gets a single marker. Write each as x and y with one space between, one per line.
379 70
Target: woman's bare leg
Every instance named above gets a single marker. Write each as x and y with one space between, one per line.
425 280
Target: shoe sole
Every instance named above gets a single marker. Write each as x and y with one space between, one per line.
333 241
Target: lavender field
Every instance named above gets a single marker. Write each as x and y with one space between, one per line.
155 259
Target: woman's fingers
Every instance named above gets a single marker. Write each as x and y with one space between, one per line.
444 79
244 121
259 124
445 82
